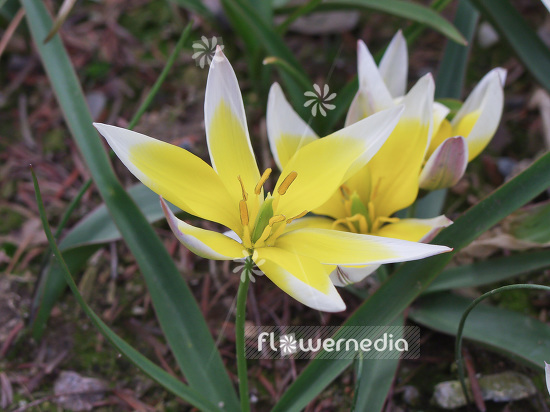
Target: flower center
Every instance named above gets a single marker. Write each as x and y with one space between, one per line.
267 225
359 218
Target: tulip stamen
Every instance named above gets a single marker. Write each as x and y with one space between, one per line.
268 230
345 221
245 195
262 180
283 187
297 216
244 212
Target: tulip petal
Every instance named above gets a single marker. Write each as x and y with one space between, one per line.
394 65
546 365
373 95
346 275
440 113
205 243
323 165
226 129
446 165
303 278
333 247
478 119
310 222
396 166
286 130
174 173
415 230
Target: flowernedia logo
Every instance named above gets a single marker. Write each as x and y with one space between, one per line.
328 342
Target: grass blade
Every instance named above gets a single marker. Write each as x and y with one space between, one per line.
375 380
87 236
196 6
488 325
51 283
178 313
161 376
489 271
451 73
412 32
400 8
527 45
251 24
412 278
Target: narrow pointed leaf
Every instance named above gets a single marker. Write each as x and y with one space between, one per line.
451 72
375 381
490 271
525 42
171 383
79 244
412 278
178 313
400 8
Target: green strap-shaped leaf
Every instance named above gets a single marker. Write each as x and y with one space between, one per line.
489 271
196 6
375 378
80 243
401 8
177 311
488 325
412 278
451 73
250 24
525 42
171 383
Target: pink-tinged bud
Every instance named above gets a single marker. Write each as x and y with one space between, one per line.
446 165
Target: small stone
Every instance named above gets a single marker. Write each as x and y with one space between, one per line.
410 395
501 387
78 393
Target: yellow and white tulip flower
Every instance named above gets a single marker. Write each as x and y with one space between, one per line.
366 202
453 143
230 192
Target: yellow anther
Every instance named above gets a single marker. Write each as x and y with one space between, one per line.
283 187
297 216
244 212
245 195
262 180
276 219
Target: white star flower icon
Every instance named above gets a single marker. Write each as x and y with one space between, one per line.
205 50
319 100
288 344
248 266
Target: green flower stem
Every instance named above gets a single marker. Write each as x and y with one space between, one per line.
242 372
458 345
